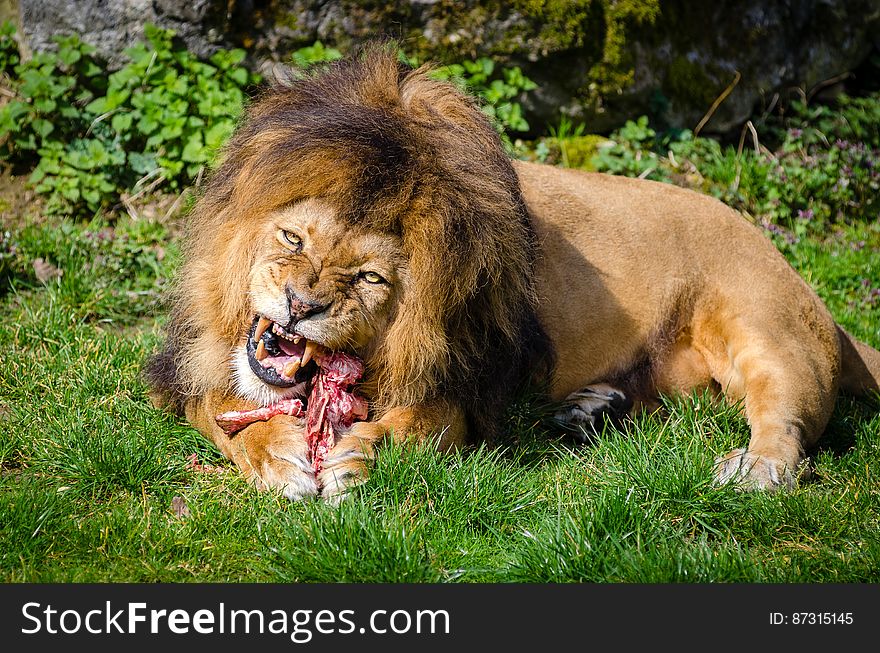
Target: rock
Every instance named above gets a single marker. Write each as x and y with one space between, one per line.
694 51
598 61
113 25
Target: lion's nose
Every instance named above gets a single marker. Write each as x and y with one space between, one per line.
302 308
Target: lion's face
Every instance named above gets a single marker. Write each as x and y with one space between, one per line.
316 283
442 311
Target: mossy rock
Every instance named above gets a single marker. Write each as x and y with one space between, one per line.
597 62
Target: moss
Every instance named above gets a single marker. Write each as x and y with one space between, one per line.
687 82
594 35
461 29
562 24
580 150
615 68
569 151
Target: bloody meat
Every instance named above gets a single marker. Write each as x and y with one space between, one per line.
332 405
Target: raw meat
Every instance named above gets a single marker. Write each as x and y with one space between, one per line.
331 406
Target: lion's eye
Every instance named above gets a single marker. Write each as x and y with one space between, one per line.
290 239
372 277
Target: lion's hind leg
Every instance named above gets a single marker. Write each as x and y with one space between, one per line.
786 378
585 412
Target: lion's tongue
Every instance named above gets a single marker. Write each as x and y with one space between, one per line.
291 349
294 356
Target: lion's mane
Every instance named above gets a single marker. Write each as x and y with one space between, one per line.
396 151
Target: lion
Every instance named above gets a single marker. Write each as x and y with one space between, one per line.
369 208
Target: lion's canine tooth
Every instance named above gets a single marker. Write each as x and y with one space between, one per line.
309 351
296 339
261 351
291 368
262 325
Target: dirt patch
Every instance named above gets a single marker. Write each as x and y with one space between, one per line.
19 205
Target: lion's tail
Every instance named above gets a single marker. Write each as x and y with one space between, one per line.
860 366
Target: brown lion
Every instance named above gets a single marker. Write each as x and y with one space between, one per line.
372 210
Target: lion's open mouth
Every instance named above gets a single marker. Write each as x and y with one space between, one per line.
279 357
284 359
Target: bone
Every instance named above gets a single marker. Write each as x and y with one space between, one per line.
234 421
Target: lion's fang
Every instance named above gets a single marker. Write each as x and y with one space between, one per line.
309 351
261 352
262 325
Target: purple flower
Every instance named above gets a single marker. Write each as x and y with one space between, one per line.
805 215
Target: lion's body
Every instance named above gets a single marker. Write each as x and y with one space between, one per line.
667 291
656 278
373 209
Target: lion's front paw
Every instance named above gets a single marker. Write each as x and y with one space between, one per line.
751 471
345 467
274 455
285 468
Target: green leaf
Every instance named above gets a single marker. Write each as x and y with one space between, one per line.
122 122
45 105
217 135
239 76
147 125
43 127
69 55
92 197
71 193
141 163
194 150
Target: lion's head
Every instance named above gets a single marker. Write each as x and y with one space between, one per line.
367 208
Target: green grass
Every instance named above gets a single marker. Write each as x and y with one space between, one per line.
89 468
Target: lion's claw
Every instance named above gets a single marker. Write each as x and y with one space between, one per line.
751 471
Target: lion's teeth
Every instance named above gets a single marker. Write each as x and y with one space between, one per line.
261 351
291 368
262 325
281 333
296 339
309 351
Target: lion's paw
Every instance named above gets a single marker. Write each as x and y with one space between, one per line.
751 471
345 467
584 411
284 467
